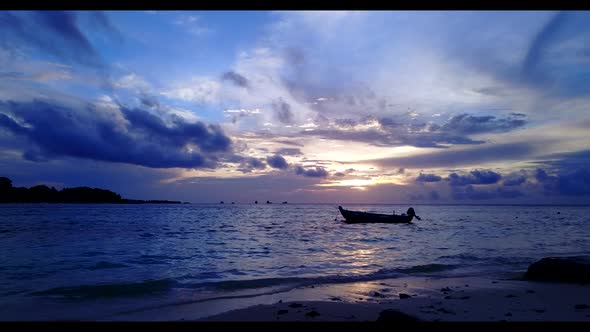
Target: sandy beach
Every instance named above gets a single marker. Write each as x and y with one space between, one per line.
426 299
421 298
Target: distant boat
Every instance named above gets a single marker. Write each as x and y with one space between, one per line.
285 202
356 217
268 202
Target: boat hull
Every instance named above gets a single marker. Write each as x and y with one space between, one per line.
355 217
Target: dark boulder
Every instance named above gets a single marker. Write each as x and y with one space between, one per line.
574 269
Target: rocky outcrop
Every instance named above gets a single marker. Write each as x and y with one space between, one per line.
574 269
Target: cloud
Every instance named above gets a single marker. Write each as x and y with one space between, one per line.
401 130
289 152
202 90
514 180
134 136
378 137
283 111
57 33
462 157
277 161
249 163
576 183
474 177
235 78
428 178
470 124
566 182
318 172
539 45
191 24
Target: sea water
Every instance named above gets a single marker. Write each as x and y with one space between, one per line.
74 261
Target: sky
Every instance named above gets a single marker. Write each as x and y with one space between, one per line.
389 107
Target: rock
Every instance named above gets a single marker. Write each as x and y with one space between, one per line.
280 301
295 305
404 296
573 269
377 294
582 306
446 289
312 314
282 312
390 315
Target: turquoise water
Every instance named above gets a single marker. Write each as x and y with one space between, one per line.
120 257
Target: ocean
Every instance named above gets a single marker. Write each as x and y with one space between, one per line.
92 261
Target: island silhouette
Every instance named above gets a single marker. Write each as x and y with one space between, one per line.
44 194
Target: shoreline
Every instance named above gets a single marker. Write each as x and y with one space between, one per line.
456 299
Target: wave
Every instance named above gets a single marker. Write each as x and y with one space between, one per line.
110 290
149 287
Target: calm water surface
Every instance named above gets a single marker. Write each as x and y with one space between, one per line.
134 254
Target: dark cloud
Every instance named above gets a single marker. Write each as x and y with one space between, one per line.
576 183
395 138
474 177
289 152
566 182
248 164
428 178
567 161
11 125
283 112
236 79
542 176
465 157
347 123
57 33
394 132
277 161
539 45
318 172
55 130
471 124
514 180
470 193
149 101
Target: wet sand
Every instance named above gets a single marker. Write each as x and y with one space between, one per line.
426 299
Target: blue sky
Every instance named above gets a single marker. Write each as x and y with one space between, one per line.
303 106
